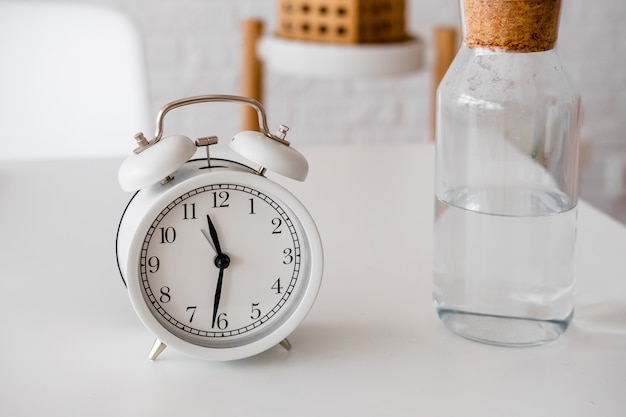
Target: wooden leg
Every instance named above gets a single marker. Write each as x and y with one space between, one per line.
251 71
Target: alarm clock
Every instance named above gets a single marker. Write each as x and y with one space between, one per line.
220 262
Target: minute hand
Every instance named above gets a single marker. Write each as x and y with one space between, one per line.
218 295
222 261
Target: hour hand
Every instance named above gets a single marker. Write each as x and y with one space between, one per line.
208 238
213 234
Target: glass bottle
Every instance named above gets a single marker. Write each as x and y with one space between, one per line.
506 182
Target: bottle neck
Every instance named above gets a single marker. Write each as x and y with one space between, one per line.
511 25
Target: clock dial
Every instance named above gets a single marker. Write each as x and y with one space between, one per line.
223 264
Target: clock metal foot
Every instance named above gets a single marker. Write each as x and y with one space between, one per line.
285 344
156 350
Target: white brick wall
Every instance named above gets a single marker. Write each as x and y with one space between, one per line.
194 47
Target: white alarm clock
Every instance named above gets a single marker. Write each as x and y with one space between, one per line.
220 262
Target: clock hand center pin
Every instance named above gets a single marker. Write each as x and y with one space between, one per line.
221 261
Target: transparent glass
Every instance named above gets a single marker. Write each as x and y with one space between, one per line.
506 193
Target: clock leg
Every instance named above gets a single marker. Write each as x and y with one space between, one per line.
156 350
285 344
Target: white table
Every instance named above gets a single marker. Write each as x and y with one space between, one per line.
371 346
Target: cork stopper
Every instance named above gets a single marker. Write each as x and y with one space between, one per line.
511 25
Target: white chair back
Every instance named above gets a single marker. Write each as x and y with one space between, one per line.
72 81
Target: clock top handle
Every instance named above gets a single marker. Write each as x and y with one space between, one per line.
149 164
144 143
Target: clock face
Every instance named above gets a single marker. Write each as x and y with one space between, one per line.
223 265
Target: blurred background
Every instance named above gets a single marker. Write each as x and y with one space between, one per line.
194 47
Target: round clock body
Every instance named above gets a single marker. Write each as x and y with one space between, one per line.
221 263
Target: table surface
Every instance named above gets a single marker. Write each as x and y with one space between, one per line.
372 344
